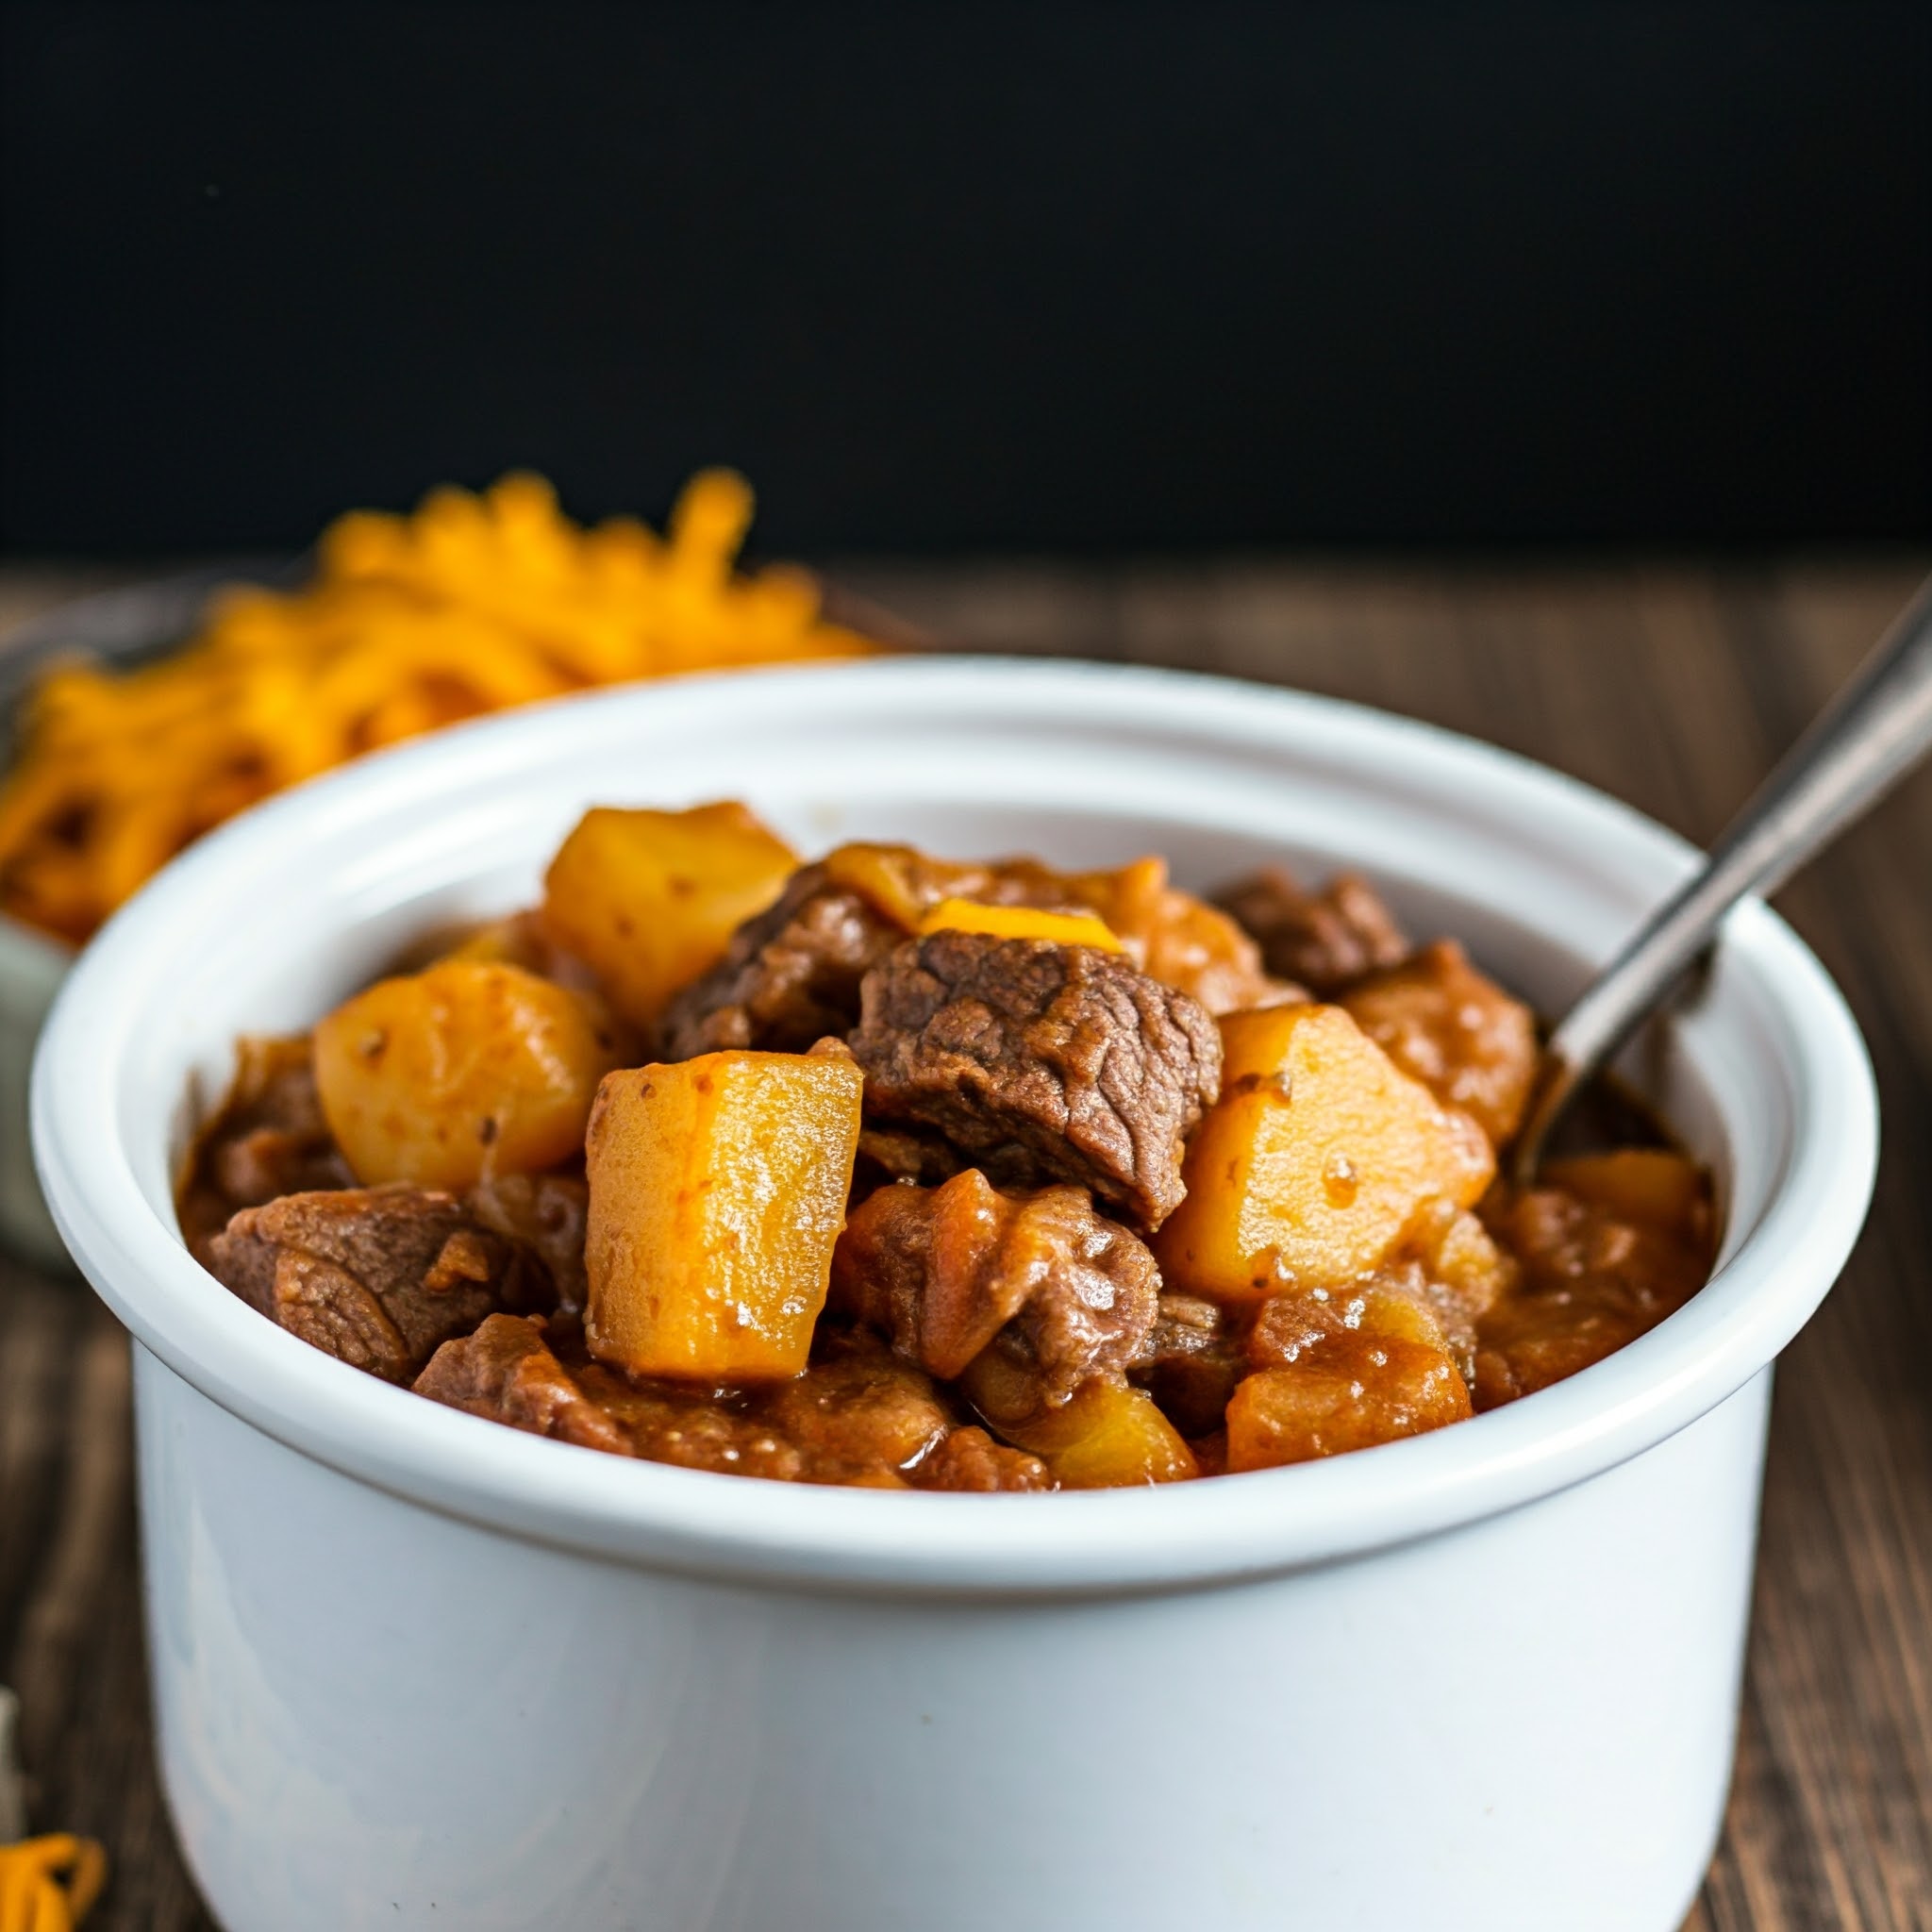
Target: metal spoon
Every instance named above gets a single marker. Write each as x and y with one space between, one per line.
1868 738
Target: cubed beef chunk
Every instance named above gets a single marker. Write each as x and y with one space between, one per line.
789 975
547 1214
379 1277
793 973
970 1461
689 1428
268 1138
506 1373
855 1416
539 1377
909 1153
942 1270
1188 1362
1324 941
1041 1062
1456 1030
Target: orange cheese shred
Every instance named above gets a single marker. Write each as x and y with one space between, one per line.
474 603
49 1884
1020 922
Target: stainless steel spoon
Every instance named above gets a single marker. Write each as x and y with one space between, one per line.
1867 739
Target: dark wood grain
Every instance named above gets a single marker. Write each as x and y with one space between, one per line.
1672 687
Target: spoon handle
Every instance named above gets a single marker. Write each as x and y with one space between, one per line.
1871 733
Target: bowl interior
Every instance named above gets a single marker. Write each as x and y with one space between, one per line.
484 867
273 920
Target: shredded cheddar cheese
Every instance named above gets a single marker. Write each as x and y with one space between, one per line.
1022 922
474 603
48 1884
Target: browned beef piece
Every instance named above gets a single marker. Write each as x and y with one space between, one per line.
970 1460
1188 1362
1041 1062
547 1212
788 976
506 1373
267 1137
1456 1030
855 1416
539 1377
1326 940
379 1277
793 973
943 1270
691 1428
909 1154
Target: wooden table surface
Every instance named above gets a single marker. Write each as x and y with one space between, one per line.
1674 688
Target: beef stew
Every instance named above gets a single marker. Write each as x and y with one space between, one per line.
897 1171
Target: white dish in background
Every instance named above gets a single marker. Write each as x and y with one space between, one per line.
31 969
121 625
413 1668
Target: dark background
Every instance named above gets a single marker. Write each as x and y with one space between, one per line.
951 277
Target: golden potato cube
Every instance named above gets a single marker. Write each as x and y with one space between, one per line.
718 1189
1105 1436
1108 1437
1349 1391
649 899
1653 1187
471 1067
1316 1159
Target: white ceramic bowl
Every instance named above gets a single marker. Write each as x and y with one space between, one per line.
411 1668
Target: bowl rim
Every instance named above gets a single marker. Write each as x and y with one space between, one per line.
1178 1537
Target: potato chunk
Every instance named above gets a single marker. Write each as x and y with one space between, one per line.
1110 1437
1653 1187
1106 1435
718 1187
469 1067
1318 1157
650 899
1349 1392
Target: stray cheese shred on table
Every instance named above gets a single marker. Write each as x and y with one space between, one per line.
48 1884
474 603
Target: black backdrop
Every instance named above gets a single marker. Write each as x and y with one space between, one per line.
946 276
